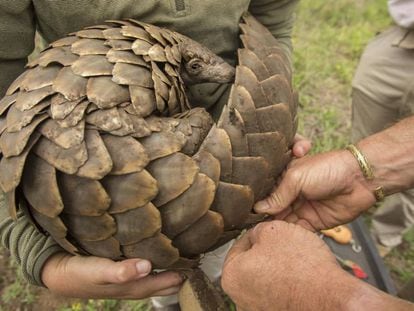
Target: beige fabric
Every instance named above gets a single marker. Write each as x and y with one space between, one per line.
405 40
383 89
393 218
402 11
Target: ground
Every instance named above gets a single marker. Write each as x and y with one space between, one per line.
329 37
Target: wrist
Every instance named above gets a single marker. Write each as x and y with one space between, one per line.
331 289
342 291
335 289
53 268
356 178
390 154
367 172
367 297
345 292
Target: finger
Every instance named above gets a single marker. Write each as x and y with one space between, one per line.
305 224
168 291
242 245
301 146
163 283
166 281
256 232
280 198
106 271
282 215
292 218
264 231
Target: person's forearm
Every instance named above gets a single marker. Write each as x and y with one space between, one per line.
367 297
28 247
278 17
345 292
391 156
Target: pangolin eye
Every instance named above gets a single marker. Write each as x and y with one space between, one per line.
195 65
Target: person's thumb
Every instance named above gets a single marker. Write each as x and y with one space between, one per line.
125 271
280 198
301 146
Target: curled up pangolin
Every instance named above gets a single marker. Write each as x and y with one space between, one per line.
102 150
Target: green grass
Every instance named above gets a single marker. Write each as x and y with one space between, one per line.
108 305
401 260
328 39
17 290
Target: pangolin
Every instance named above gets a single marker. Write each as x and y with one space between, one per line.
103 151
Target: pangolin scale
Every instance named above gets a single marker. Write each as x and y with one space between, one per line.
101 148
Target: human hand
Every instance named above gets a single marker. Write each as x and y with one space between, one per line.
278 265
320 192
281 266
94 277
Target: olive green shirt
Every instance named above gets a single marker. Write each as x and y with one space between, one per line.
211 22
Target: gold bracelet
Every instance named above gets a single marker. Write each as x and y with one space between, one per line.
362 161
366 170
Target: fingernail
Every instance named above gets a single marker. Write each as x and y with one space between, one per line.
143 267
181 278
261 206
300 151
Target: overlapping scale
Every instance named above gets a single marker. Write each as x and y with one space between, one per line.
100 139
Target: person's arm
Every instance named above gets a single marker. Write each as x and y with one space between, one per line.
282 266
278 16
391 155
44 263
101 278
328 189
28 247
17 31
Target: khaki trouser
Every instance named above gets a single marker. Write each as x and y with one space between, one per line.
383 93
211 264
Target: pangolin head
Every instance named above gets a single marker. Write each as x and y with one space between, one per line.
199 64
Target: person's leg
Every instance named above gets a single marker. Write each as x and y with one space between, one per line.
380 98
369 116
392 219
407 292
